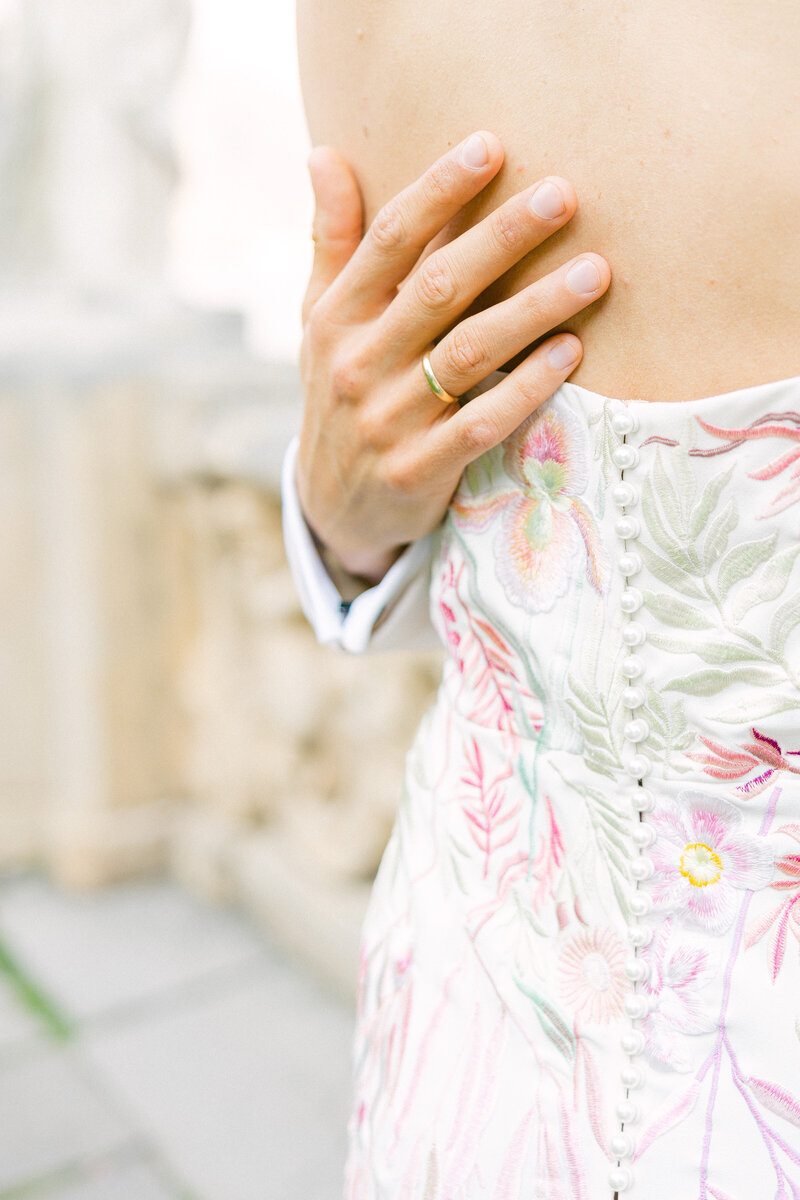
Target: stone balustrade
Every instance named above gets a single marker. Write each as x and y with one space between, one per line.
165 702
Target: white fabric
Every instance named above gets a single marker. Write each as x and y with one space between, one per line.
400 599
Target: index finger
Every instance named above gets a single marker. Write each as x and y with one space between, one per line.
406 224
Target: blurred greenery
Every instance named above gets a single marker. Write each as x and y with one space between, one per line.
32 998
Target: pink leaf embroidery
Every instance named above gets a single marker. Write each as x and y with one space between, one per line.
760 927
491 819
672 1117
779 943
776 1099
594 1097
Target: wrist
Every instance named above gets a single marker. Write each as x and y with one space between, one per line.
352 567
354 572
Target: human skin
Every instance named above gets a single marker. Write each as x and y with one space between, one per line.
380 452
677 125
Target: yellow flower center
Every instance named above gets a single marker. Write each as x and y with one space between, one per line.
700 864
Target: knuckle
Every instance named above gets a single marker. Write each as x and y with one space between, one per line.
506 231
388 227
402 475
466 352
347 377
317 326
437 183
479 434
536 308
435 285
372 431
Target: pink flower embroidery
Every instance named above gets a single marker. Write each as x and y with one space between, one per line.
678 973
593 980
703 859
764 754
545 530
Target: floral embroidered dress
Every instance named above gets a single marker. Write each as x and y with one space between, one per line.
581 962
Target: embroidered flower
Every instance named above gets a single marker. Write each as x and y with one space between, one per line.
544 529
703 859
678 974
593 980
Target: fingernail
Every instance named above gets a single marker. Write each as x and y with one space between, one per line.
583 277
474 152
562 354
547 201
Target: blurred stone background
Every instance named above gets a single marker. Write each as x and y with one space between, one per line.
164 709
163 701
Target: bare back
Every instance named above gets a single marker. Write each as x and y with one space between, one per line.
678 125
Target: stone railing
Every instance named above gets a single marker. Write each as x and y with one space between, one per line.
164 701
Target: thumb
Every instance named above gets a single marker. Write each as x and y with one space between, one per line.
338 219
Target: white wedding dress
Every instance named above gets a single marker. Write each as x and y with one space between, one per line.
580 969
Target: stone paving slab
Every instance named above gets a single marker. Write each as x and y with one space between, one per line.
100 950
201 1065
52 1116
246 1093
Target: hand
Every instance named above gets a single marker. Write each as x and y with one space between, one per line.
380 454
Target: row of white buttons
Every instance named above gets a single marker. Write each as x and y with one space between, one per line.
636 731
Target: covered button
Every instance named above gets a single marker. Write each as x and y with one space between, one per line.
629 563
631 600
637 730
627 528
640 904
620 1179
624 422
624 494
625 457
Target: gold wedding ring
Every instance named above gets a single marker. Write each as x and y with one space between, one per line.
434 385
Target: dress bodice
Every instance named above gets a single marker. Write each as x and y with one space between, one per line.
624 575
594 880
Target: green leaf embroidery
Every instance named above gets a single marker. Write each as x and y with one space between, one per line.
667 495
707 503
752 709
680 555
709 683
584 695
719 531
655 521
783 622
585 716
479 475
602 762
671 610
595 737
718 653
768 584
742 561
657 710
669 574
552 1023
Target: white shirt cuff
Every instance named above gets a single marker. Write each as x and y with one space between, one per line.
350 626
